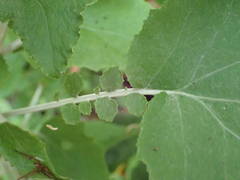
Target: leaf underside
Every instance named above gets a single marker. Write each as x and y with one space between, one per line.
191 49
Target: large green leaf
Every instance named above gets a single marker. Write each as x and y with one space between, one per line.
18 146
73 154
190 139
191 49
48 29
108 29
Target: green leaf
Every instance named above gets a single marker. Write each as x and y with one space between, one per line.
190 134
136 170
191 49
135 103
108 29
85 108
73 154
3 72
111 79
15 63
71 114
14 143
90 80
73 84
105 134
48 29
106 108
121 152
161 1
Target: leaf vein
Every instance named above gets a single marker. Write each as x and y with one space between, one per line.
218 119
212 74
183 136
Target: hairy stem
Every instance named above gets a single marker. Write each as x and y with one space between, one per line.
89 97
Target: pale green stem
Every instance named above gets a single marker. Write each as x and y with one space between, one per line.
116 93
89 97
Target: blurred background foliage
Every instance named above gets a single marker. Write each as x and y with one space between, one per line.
97 64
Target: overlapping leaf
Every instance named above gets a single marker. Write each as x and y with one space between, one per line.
136 104
19 147
71 114
85 108
106 108
191 49
48 29
73 154
108 29
111 79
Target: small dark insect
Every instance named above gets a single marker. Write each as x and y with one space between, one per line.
39 168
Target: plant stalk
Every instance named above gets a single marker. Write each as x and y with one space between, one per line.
116 93
78 99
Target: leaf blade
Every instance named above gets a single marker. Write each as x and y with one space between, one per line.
14 141
190 49
37 22
73 154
